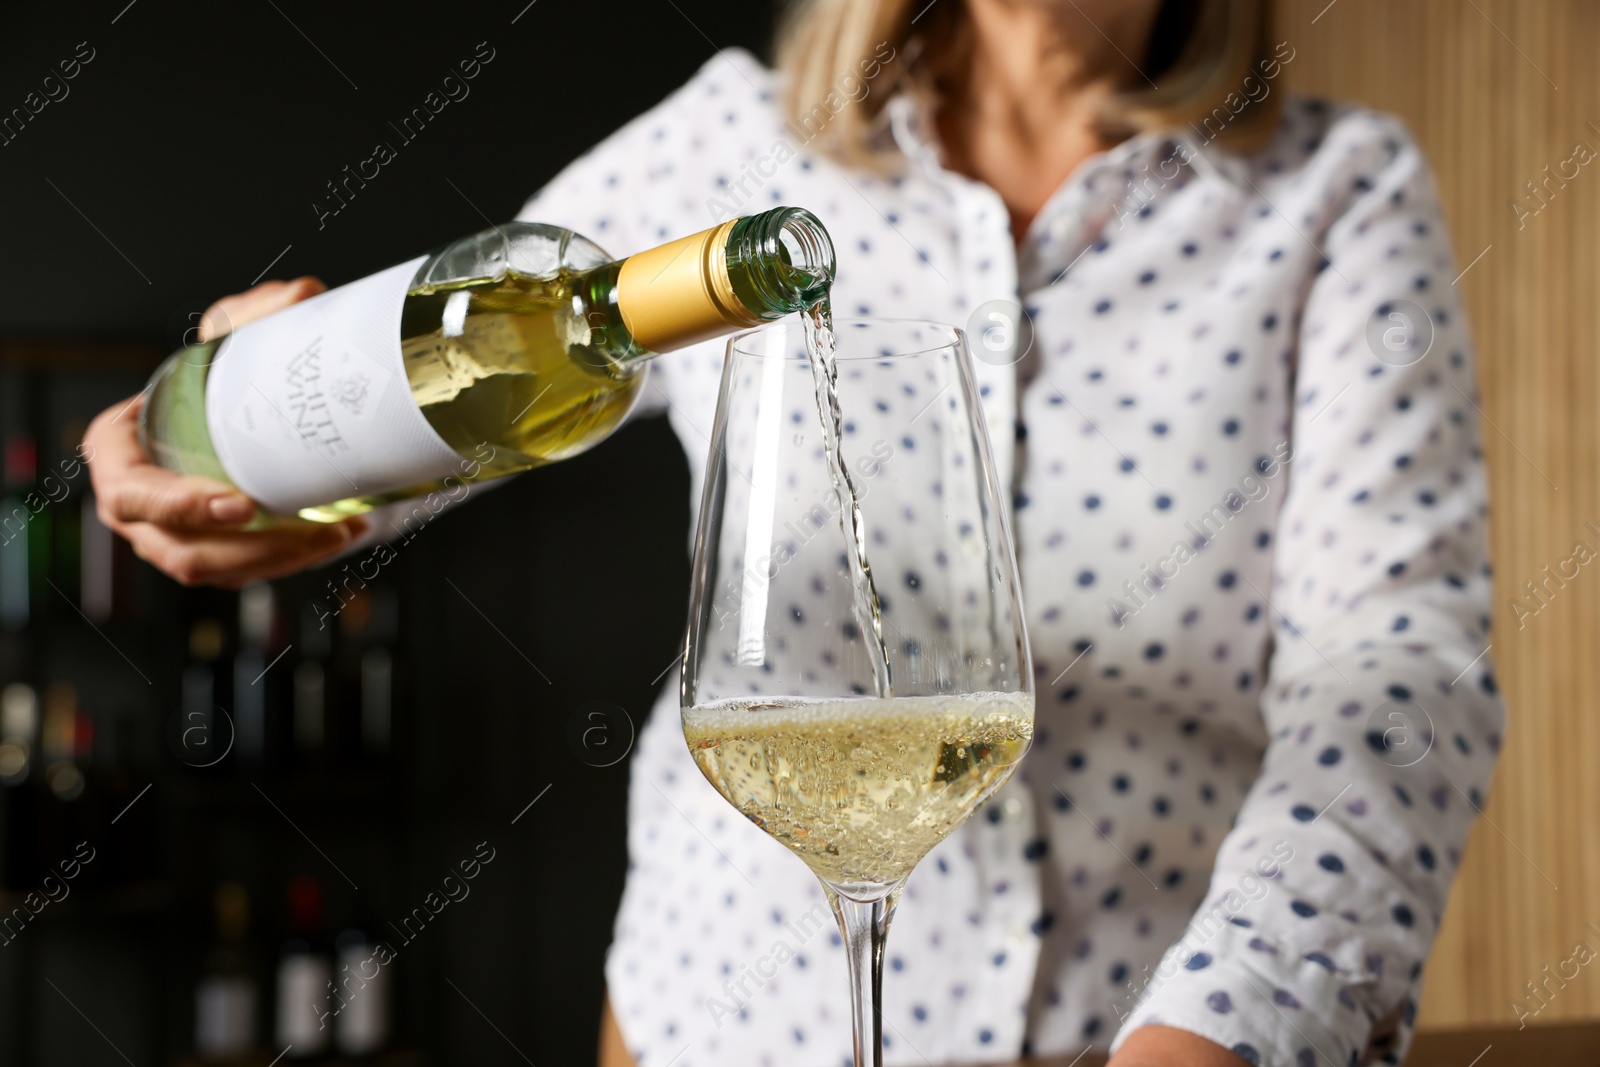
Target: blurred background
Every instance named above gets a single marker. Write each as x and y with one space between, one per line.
490 714
377 754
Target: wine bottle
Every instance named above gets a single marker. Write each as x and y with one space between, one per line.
21 544
304 975
21 822
361 994
67 545
518 346
378 676
19 727
226 996
310 700
251 684
64 742
97 577
201 742
368 627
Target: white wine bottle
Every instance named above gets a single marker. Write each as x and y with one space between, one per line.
518 346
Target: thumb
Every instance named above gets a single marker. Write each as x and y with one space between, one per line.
236 310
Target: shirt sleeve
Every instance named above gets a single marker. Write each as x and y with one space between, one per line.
597 195
615 194
621 192
591 196
1381 707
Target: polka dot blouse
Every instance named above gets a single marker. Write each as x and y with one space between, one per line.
1248 502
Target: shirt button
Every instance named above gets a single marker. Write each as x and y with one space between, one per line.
1011 808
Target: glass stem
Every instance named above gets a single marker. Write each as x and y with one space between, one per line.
865 926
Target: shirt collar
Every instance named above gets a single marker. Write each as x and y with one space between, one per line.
911 124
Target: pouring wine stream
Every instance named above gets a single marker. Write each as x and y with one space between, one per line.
818 321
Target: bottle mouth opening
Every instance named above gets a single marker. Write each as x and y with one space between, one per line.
807 254
784 257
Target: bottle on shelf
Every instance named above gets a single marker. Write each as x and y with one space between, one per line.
518 346
253 687
311 705
21 850
361 994
377 676
69 811
61 482
24 535
368 628
227 996
202 739
66 741
303 1023
344 727
19 732
105 571
97 561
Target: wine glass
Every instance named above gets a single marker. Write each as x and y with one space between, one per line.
856 754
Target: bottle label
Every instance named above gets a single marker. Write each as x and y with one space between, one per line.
312 405
361 1025
303 1007
224 1016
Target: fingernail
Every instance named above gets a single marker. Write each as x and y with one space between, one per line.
232 509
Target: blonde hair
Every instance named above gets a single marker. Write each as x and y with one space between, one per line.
1201 56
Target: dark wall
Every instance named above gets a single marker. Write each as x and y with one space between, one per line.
189 151
182 164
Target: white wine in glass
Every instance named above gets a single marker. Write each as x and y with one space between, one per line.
857 678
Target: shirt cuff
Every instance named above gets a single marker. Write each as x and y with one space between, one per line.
1260 1000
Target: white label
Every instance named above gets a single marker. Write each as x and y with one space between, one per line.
303 1007
312 404
363 1019
224 1016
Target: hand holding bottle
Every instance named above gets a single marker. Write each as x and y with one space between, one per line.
508 349
189 526
505 350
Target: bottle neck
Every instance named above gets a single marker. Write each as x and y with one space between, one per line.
739 274
779 262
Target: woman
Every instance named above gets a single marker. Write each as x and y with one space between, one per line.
1248 508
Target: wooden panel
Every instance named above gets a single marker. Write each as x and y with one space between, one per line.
1496 90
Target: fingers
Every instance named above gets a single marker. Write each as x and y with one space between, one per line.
240 308
129 488
190 526
146 493
233 559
